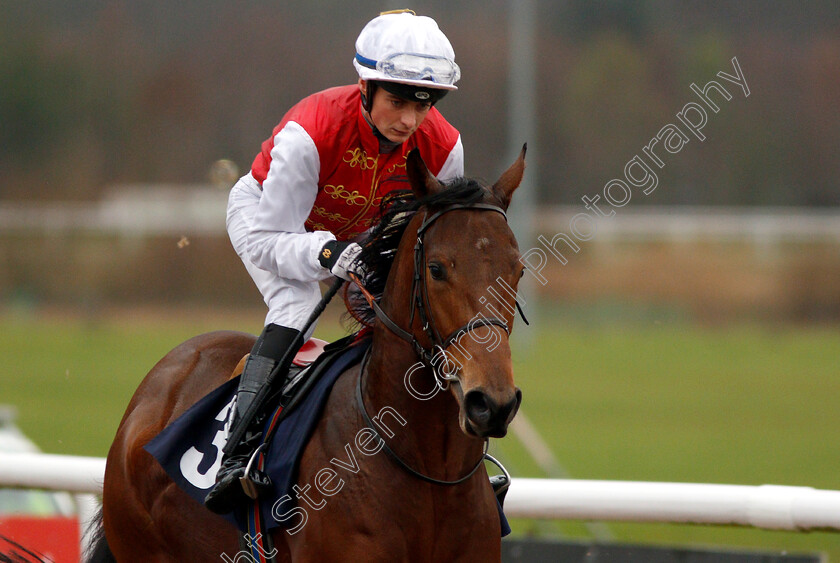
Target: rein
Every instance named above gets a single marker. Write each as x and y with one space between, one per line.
361 403
420 304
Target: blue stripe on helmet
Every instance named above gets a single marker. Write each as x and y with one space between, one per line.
364 61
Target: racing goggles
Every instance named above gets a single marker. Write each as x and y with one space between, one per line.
410 66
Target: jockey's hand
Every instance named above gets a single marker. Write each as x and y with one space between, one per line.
340 258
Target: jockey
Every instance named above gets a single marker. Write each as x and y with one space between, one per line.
316 185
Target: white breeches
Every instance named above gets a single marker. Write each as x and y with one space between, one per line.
290 302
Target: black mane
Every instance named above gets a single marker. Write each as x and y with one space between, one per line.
396 211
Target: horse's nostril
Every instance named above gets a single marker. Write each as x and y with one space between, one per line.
477 406
512 407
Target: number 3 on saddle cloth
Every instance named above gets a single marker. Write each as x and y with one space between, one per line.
190 448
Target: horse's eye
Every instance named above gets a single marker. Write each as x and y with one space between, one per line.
522 273
437 271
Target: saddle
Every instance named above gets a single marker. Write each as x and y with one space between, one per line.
314 351
310 362
307 354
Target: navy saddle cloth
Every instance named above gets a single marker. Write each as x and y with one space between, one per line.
190 449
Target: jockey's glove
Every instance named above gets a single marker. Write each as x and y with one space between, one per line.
340 258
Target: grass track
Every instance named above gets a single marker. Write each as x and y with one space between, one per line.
742 405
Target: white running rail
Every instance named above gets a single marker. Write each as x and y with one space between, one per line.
765 506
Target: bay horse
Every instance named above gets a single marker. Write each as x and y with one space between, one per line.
441 270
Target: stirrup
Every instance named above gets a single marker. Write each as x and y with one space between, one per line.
500 483
254 480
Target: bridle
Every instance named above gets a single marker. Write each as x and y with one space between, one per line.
420 305
420 302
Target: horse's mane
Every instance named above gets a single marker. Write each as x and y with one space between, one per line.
396 211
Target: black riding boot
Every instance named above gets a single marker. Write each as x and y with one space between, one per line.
269 349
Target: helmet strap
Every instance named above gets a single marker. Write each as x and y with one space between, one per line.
368 94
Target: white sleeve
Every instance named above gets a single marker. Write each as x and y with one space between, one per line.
278 241
454 165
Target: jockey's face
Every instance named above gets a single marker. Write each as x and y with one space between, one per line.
395 117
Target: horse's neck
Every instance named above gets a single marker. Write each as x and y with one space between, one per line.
430 440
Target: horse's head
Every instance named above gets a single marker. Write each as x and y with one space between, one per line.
461 260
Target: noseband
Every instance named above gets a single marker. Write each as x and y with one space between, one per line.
420 301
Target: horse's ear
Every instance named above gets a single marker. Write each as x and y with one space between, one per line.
510 180
423 183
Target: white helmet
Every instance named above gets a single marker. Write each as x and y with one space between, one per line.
405 48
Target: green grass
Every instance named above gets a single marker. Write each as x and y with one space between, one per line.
652 402
744 405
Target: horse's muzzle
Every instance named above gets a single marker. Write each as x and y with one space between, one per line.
486 417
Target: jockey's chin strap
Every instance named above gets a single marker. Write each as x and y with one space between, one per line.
420 299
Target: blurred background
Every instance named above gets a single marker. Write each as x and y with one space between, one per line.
114 113
695 337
